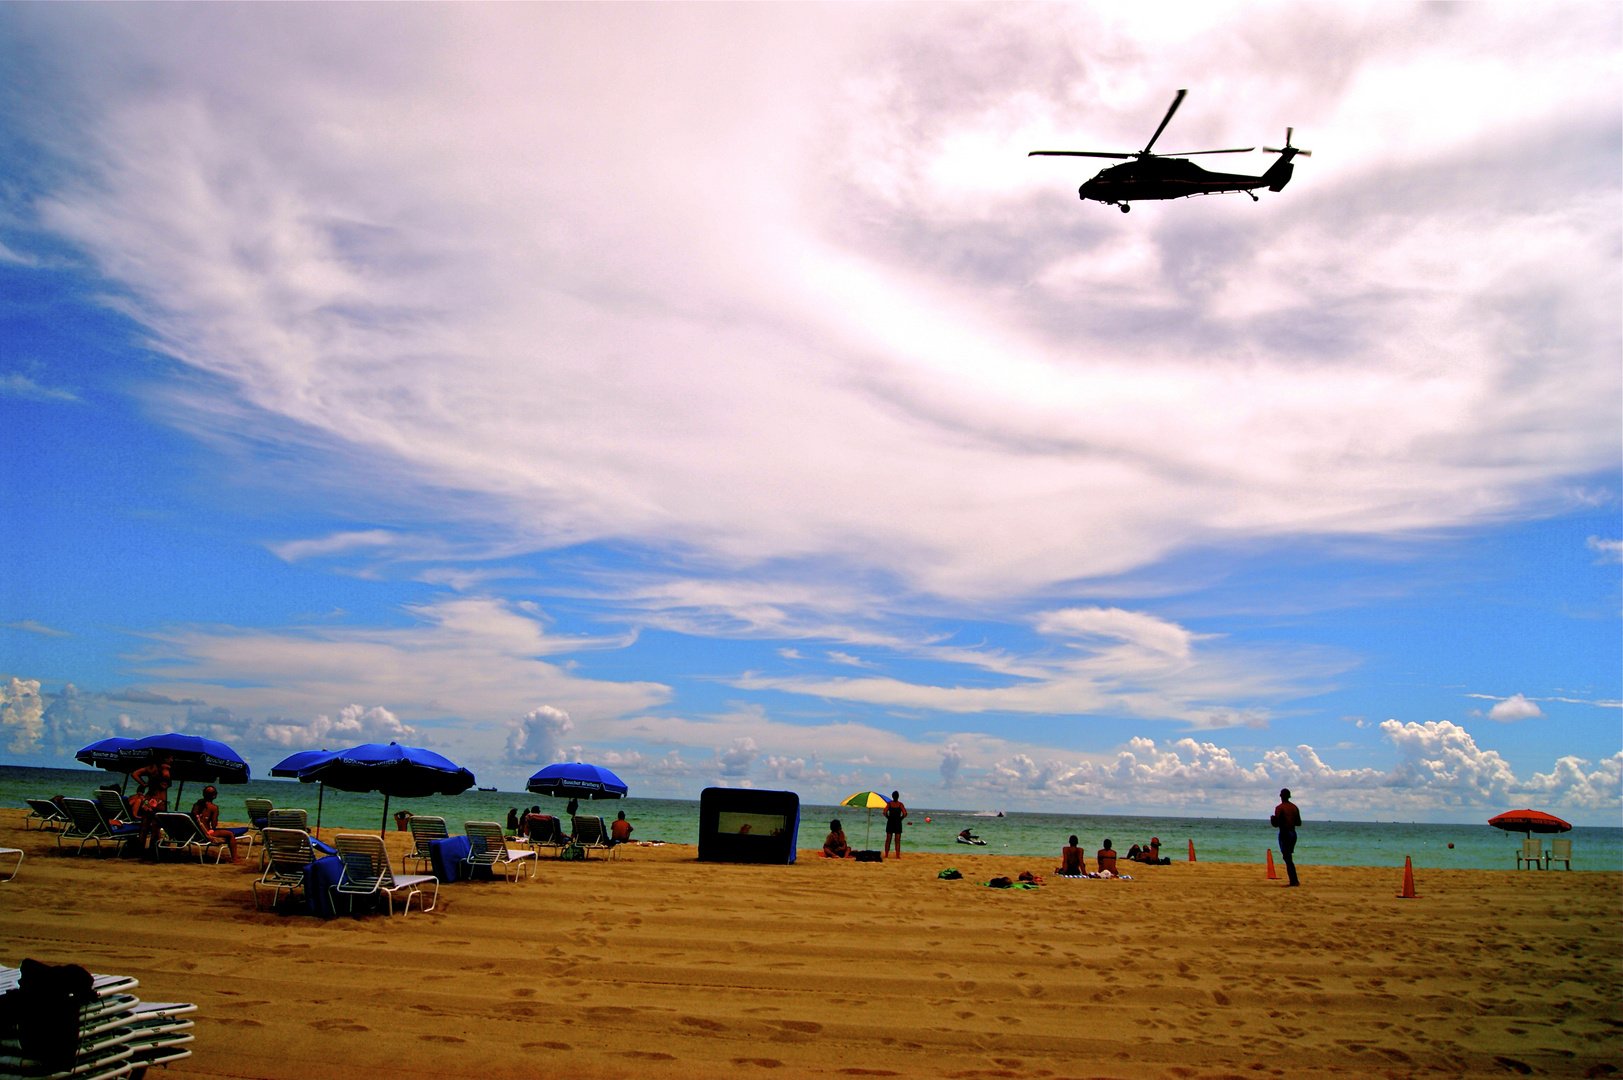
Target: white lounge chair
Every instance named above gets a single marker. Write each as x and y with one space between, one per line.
181 832
288 819
366 873
1560 852
1531 854
46 813
288 852
89 823
591 835
545 831
488 847
5 851
424 831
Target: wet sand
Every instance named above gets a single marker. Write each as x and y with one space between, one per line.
655 965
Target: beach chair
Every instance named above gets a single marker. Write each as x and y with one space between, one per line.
258 811
6 852
181 832
1560 852
287 819
544 831
112 803
288 852
488 847
89 823
1531 854
590 835
424 831
366 873
47 813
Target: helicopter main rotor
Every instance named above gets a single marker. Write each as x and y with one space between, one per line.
1145 153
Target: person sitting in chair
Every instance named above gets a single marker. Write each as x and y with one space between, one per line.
1070 861
834 845
207 815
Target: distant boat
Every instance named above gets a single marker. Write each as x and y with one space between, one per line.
487 789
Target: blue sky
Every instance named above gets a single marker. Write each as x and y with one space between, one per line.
721 394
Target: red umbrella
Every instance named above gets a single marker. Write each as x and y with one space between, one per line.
1529 822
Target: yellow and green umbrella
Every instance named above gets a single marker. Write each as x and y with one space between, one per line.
872 800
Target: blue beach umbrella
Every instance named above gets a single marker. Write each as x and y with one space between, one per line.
407 772
293 764
192 757
578 780
104 755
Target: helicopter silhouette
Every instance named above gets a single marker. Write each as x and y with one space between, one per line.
1169 176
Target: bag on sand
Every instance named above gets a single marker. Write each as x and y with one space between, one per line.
869 856
572 853
950 874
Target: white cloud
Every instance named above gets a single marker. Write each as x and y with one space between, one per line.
1133 627
453 286
32 627
1515 707
16 384
737 759
537 737
21 715
354 724
294 550
1440 767
1610 551
469 657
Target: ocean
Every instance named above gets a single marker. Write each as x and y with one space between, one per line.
1323 843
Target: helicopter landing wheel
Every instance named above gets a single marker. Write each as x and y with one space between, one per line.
1125 208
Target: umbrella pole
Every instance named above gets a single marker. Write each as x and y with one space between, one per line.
178 792
383 830
868 841
321 790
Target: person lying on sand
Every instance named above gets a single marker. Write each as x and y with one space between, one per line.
1070 860
834 845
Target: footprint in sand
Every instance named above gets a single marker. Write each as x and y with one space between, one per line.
441 1038
765 1063
342 1023
524 991
647 1055
806 1026
546 1046
701 1022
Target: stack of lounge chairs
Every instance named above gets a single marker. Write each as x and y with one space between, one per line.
118 1034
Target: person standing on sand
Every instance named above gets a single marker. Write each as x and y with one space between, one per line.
1286 818
894 813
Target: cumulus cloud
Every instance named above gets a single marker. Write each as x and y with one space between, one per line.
1515 707
951 761
536 738
21 715
1440 766
353 724
737 759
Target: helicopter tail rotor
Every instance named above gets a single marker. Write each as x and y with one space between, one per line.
1288 148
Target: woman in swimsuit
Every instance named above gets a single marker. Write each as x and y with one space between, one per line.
834 846
151 798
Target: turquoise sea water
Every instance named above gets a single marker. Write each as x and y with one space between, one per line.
1324 843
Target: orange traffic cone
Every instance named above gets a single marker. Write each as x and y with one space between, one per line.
1408 892
1191 849
1271 875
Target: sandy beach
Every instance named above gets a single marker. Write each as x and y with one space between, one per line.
655 965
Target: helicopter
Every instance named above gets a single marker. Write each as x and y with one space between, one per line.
1170 176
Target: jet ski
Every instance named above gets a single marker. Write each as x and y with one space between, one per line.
971 839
